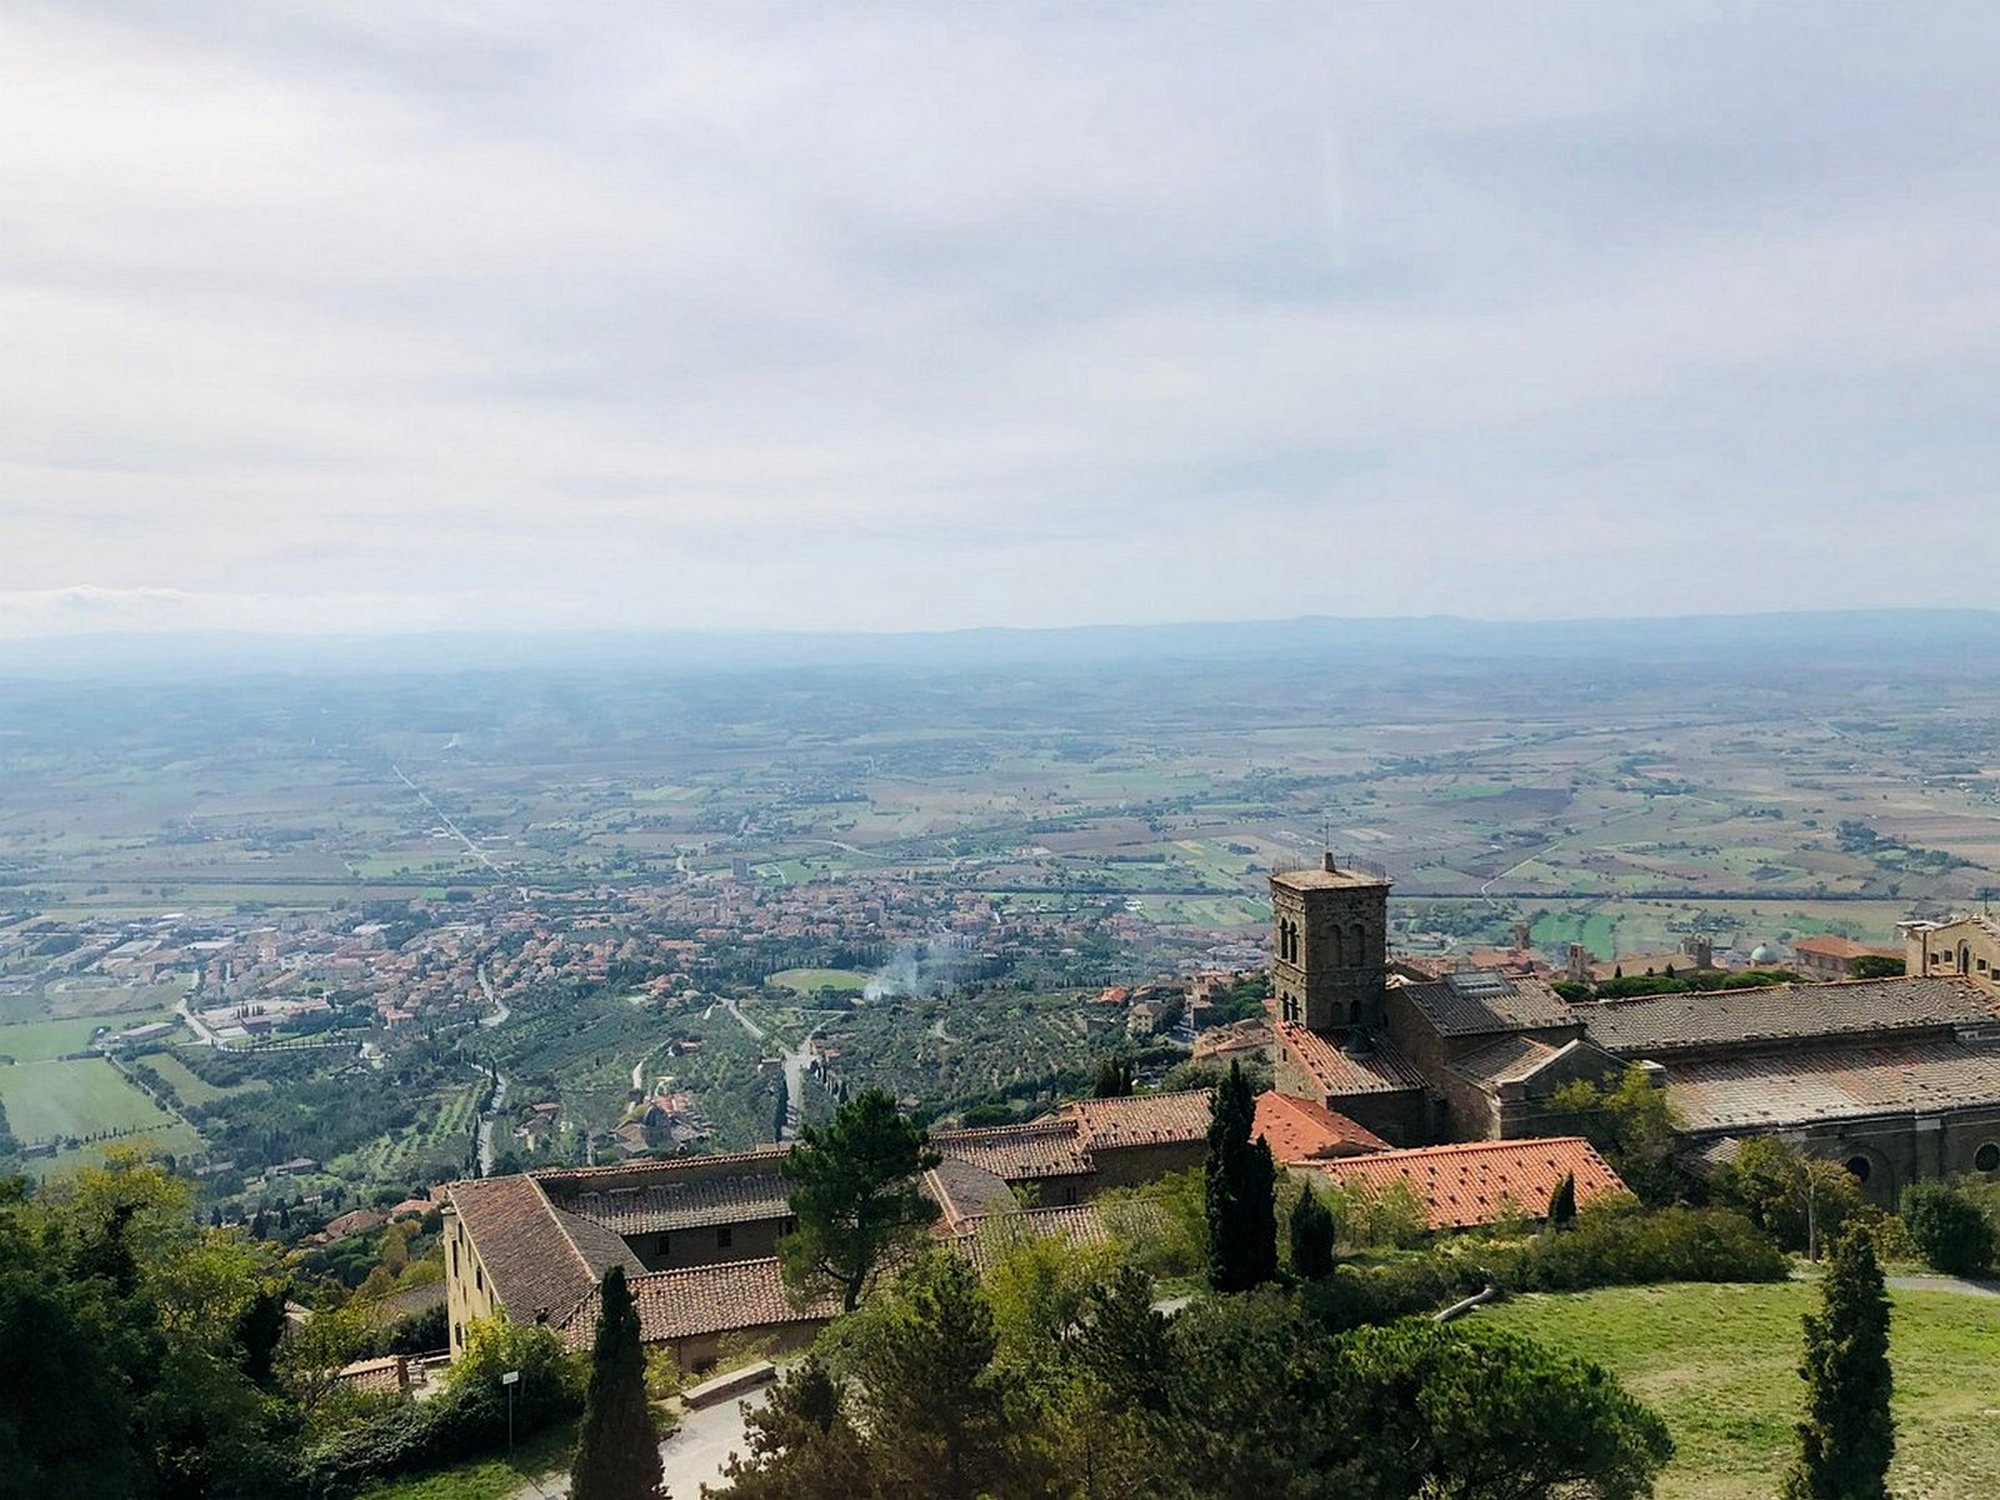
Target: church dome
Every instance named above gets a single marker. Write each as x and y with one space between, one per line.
1763 953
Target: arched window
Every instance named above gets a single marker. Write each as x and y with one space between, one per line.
1335 958
1357 946
1861 1167
1964 959
1987 1157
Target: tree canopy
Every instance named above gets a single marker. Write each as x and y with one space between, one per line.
855 1192
1241 1191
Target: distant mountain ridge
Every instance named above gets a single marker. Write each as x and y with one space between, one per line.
1917 637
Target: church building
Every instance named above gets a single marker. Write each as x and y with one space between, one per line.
1899 1079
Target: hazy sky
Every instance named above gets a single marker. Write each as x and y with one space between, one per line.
370 316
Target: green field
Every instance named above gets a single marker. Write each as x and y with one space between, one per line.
169 1140
809 981
191 1086
78 1097
1720 1364
38 1041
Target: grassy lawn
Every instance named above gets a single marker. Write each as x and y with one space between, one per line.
486 1478
1720 1364
73 1098
806 981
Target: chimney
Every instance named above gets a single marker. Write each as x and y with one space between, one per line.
1328 863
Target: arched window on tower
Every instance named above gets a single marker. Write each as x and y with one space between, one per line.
1357 946
1334 958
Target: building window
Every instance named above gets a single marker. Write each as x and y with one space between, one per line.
791 1224
725 1236
1987 1157
1860 1167
454 1257
479 1277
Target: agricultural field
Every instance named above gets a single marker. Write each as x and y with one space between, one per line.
1719 1363
74 1097
811 981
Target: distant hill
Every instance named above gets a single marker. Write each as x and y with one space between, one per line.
1921 642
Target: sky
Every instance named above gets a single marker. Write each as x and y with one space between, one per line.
354 317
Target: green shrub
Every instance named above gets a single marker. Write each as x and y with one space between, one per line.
1609 1247
1948 1229
466 1419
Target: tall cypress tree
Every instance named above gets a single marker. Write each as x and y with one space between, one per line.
1241 1183
618 1452
1312 1238
1848 1436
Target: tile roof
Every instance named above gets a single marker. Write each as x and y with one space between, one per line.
682 1201
1835 946
1076 1225
1508 1061
1382 1070
696 1300
1478 1181
525 1244
1051 1147
1141 1119
1304 1129
1651 1025
1804 1086
964 1190
1474 1003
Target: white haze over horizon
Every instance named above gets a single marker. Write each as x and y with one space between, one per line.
364 318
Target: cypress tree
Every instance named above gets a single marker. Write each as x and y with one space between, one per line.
1848 1436
1240 1179
1312 1238
1562 1203
1114 1079
618 1452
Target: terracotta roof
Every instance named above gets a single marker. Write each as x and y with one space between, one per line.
1832 945
726 1298
1050 1147
1080 1224
1320 878
1381 1070
1651 1025
1303 1129
1478 1181
1509 1061
1469 1004
1802 1086
964 1190
683 1201
532 1263
1141 1119
557 1178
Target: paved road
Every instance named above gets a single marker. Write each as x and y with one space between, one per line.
1956 1284
692 1457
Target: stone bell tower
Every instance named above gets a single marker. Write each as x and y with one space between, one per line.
1331 929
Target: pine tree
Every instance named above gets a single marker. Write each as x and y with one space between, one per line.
1241 1183
1848 1436
617 1452
1312 1238
853 1187
1562 1203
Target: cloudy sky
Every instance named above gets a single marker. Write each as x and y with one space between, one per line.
364 316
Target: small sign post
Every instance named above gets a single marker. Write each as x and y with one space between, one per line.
510 1379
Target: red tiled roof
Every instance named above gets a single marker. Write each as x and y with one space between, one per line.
1477 1181
1832 945
1303 1129
1141 1119
1042 1148
529 1247
1334 1072
725 1298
